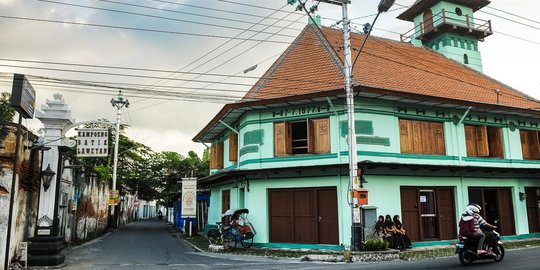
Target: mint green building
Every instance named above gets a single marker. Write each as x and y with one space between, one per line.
433 134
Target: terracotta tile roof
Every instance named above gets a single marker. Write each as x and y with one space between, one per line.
310 66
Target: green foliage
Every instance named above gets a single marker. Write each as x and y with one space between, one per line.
375 245
6 111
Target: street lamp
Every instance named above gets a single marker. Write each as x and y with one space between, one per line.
47 176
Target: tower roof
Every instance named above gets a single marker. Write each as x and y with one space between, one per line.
422 5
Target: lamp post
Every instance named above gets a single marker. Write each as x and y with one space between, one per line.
47 176
118 103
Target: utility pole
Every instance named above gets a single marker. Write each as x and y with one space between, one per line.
119 103
355 186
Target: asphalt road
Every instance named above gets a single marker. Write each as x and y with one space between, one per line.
148 245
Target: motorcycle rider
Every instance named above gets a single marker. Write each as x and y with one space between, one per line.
473 210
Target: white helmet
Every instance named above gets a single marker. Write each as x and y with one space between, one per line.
472 209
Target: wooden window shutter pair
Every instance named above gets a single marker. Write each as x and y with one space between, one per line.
421 137
483 141
318 137
233 147
530 144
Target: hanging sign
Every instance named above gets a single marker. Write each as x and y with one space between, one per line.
189 197
23 96
113 197
92 142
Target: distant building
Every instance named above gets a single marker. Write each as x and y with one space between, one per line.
433 134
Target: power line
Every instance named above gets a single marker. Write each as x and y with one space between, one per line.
222 45
158 17
510 20
139 29
142 69
219 10
255 6
515 15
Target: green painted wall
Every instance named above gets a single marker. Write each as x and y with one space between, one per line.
384 193
384 117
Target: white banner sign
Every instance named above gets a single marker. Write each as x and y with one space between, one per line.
189 197
92 142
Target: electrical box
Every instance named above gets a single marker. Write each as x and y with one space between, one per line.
361 196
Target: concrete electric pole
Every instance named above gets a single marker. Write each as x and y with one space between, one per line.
119 103
354 181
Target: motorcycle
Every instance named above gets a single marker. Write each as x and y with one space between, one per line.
466 248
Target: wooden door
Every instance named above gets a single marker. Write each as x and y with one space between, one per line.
225 203
533 208
506 212
304 216
327 216
447 210
409 212
280 216
428 21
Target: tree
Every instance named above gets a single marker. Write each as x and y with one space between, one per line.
6 111
6 114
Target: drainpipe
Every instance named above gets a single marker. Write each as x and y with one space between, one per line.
337 117
457 125
237 142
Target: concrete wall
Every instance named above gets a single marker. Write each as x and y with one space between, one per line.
26 190
92 209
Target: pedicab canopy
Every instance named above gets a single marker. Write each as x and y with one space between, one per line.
231 212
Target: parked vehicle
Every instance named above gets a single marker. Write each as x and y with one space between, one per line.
229 235
466 248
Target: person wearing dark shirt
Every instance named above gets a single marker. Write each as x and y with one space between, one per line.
379 226
401 231
391 232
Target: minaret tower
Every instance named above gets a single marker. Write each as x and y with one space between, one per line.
448 27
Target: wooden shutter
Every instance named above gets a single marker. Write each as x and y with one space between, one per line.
482 141
213 157
233 147
525 146
280 139
320 130
427 142
417 137
534 144
495 142
470 141
219 155
405 136
438 146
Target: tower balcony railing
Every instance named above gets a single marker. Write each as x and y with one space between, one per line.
447 21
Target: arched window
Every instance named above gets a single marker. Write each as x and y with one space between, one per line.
466 59
459 12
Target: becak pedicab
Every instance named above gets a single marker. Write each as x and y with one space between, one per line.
237 230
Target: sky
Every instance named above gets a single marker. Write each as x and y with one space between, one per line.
184 49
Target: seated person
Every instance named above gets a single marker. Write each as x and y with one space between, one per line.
399 229
391 234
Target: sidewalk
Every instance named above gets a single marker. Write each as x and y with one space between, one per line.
201 244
